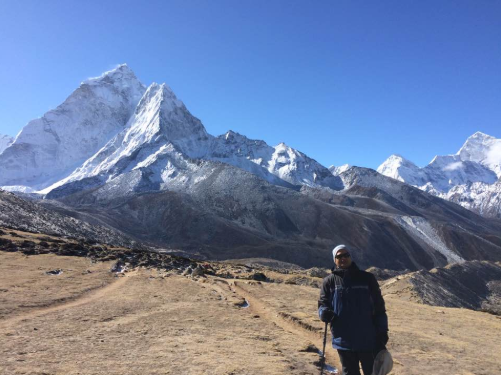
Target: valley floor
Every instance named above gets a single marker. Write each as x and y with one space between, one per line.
87 320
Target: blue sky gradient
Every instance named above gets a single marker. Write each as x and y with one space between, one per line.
342 81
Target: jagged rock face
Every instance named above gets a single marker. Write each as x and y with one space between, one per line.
52 146
5 142
473 285
469 178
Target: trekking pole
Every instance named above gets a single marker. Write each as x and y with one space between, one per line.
323 351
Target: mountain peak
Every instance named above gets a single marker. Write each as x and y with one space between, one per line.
479 135
396 160
336 171
230 135
475 141
484 149
48 148
122 73
399 168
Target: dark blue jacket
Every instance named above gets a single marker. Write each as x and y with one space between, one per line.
358 305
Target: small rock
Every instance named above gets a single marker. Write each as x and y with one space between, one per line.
57 271
310 348
199 271
119 267
259 276
317 272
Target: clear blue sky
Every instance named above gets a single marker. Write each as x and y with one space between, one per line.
343 81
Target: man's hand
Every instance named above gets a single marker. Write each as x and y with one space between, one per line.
382 337
327 316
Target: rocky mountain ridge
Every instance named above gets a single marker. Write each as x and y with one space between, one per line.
474 285
21 214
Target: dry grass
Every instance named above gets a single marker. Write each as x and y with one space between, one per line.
154 322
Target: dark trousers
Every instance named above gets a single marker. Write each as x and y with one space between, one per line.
350 359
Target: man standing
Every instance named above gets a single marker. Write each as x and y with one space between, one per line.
350 299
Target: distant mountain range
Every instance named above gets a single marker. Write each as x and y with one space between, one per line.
133 159
471 177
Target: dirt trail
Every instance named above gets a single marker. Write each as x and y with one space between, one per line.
87 297
307 332
150 323
280 319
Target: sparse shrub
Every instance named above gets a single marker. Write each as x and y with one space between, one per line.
5 242
28 244
259 276
29 251
73 246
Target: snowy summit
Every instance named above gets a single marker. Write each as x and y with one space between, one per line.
113 124
471 177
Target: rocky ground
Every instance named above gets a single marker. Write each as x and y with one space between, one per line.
91 309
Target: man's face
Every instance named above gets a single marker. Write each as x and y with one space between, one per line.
343 259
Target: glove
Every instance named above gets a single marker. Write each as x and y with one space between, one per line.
327 316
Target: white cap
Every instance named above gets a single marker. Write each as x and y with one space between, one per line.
336 249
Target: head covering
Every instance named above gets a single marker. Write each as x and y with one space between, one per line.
337 248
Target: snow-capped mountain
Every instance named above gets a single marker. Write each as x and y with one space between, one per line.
49 148
160 125
483 149
336 171
161 137
282 161
469 178
154 173
5 141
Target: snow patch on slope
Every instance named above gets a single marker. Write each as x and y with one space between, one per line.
421 228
